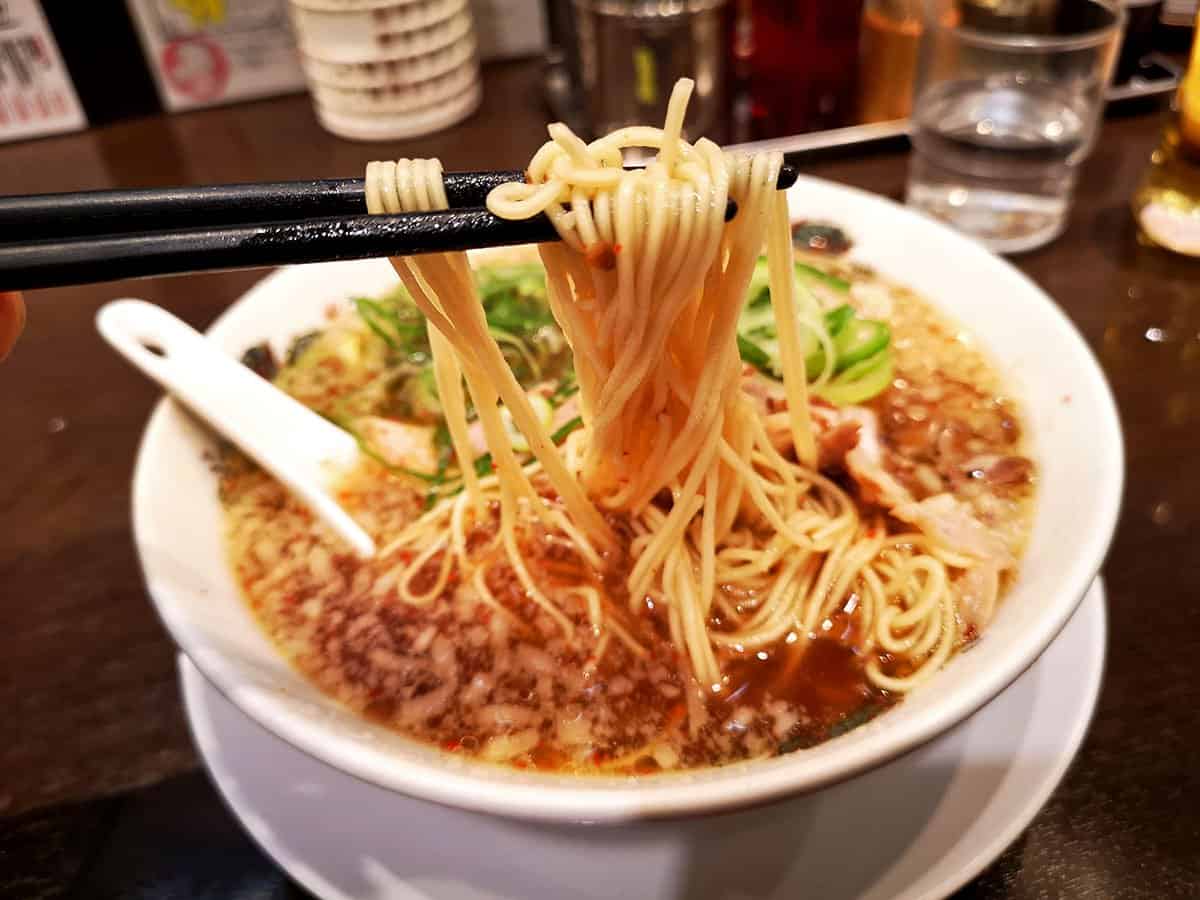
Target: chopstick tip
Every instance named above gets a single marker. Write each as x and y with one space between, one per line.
788 173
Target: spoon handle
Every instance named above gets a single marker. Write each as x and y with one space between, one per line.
302 450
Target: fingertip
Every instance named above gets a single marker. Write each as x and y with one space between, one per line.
12 320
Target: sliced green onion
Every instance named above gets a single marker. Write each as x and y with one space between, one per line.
565 429
839 318
859 340
377 319
860 382
753 354
812 272
567 387
483 465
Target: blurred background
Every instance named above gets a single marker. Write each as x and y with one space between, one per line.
765 68
999 133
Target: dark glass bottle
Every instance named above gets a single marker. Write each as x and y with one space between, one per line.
102 52
802 62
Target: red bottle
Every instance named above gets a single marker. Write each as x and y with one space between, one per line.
799 62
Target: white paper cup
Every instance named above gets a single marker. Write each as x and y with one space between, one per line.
384 32
396 98
401 70
350 6
380 126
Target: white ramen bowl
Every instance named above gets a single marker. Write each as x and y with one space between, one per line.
1076 442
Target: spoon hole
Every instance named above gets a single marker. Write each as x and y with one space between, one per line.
153 348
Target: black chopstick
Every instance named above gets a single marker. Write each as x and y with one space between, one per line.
27 264
43 264
87 213
35 217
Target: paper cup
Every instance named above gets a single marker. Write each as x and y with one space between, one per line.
399 125
349 6
399 98
400 70
384 32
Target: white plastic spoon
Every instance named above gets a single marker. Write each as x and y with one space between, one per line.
301 449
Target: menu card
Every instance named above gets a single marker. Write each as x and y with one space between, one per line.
36 94
208 52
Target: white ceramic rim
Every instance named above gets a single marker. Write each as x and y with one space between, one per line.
1034 802
479 786
192 683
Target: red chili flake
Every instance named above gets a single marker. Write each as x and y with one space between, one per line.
452 746
602 255
676 715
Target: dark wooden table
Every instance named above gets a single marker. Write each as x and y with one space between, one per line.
100 793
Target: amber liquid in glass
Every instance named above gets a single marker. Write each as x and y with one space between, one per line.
1167 205
888 62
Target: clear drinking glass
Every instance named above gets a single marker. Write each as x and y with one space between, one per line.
1007 105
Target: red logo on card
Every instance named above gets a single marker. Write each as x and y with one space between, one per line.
196 68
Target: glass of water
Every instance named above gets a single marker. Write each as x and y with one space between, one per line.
1007 105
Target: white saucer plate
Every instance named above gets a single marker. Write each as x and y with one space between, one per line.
917 828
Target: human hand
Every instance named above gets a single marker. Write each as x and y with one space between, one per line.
12 320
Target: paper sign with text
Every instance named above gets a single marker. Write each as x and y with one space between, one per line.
36 94
208 52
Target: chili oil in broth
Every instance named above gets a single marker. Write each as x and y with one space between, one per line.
504 683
